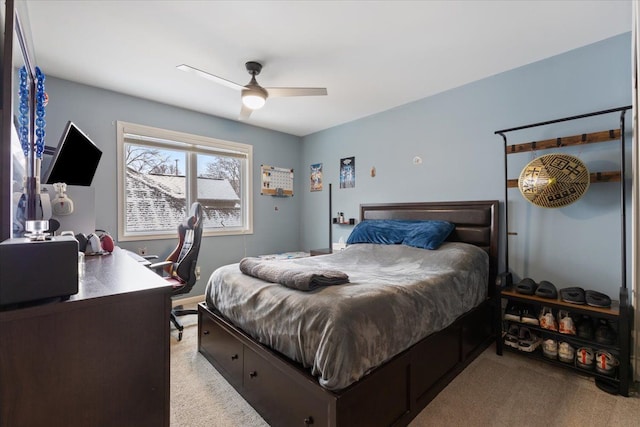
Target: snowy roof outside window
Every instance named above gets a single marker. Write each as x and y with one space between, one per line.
157 202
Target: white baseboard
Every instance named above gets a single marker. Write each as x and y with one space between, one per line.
188 301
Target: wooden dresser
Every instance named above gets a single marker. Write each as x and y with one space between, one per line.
100 358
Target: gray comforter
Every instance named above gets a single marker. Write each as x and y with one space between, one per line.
397 295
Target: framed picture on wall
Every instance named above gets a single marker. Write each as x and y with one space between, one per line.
348 172
315 176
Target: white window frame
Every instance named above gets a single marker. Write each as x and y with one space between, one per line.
190 143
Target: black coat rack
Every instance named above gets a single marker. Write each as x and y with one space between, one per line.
625 309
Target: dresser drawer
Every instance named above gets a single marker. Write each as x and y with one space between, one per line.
221 349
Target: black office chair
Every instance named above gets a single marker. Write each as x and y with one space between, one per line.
180 266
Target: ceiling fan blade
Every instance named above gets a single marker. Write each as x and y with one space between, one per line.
296 91
245 112
209 76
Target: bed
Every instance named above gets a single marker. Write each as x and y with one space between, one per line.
340 355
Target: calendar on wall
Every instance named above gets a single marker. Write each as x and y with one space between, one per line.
276 181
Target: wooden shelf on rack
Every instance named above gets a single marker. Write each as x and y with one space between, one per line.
585 138
613 311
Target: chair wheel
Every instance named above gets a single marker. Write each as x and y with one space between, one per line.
180 336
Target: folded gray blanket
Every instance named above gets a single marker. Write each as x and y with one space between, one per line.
292 276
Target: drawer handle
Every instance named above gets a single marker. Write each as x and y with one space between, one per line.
308 421
253 374
234 357
205 333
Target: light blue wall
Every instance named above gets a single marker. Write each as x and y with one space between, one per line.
96 111
453 132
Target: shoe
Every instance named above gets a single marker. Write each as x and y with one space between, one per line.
526 286
527 340
511 338
606 363
547 289
565 323
597 299
565 352
550 349
584 358
585 328
528 316
573 295
512 313
547 320
605 333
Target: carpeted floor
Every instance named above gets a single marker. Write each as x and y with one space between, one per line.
200 396
493 391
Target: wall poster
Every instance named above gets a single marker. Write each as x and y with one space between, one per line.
316 177
348 172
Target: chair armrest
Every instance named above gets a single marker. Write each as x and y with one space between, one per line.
160 265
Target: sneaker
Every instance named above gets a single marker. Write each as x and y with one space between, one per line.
527 340
547 320
512 313
550 349
606 363
565 324
585 328
511 338
584 358
605 333
528 316
565 352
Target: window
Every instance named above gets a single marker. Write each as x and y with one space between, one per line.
161 173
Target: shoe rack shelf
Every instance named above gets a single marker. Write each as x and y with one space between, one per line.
619 315
612 383
611 313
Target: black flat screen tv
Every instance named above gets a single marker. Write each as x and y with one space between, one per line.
74 160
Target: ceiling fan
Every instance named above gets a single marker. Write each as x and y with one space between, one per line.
254 96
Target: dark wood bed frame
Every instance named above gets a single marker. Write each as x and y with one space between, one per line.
285 394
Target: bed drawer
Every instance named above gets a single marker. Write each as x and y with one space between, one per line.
222 350
266 388
433 358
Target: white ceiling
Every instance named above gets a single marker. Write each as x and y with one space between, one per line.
370 55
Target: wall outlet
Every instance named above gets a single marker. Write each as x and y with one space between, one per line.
142 251
197 272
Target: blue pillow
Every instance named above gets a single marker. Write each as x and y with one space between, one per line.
379 231
428 234
420 234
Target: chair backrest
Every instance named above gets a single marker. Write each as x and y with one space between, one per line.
185 255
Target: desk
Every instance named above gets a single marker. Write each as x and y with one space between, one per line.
140 259
100 358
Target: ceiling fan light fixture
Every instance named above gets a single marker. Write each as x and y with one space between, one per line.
253 101
254 97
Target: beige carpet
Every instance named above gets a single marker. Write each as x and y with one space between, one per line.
200 396
494 390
